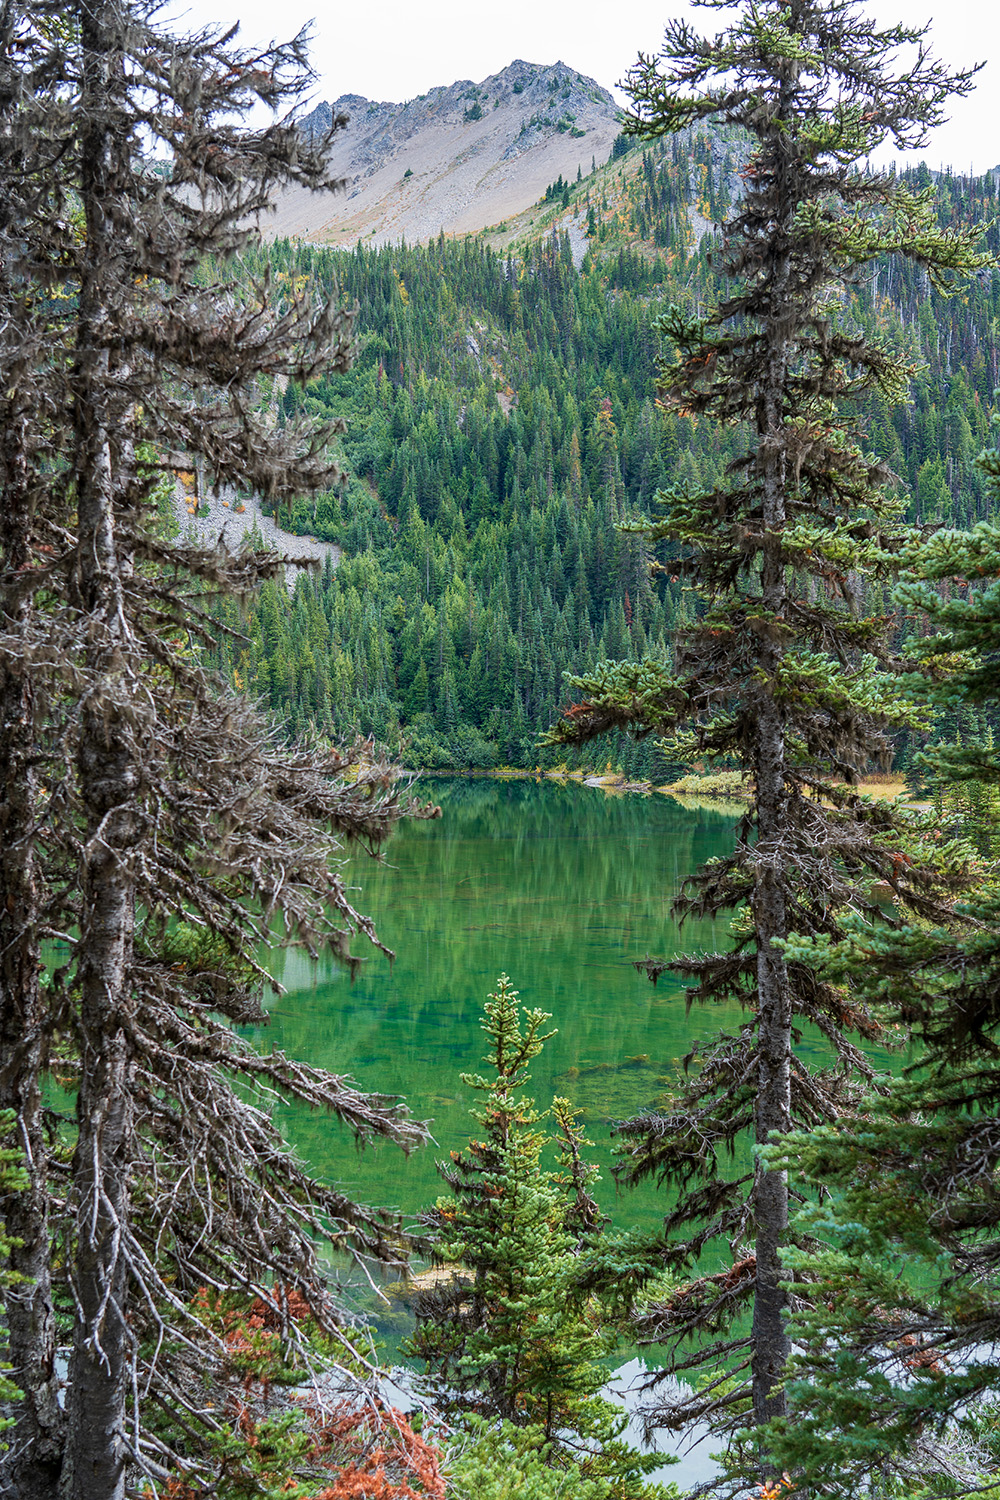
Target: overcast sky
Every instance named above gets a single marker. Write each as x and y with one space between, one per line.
395 49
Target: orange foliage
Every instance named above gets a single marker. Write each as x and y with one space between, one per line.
385 1458
295 1304
368 1453
261 1314
252 1336
776 1489
920 1359
738 1272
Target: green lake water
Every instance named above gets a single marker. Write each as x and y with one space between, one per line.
561 887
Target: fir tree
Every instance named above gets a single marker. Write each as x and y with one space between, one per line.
785 673
160 831
896 1372
512 1334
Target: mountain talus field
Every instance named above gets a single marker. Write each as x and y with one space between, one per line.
458 158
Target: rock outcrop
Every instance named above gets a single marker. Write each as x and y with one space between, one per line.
457 159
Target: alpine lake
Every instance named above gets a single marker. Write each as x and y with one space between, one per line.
561 886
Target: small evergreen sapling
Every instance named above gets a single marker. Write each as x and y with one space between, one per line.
513 1334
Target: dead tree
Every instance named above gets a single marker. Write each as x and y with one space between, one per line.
153 823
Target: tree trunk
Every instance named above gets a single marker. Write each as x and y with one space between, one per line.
108 778
773 1107
772 1111
30 1467
102 1351
101 1364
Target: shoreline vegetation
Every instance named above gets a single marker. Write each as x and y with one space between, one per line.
717 786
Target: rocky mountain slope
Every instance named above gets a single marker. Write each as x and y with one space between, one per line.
457 158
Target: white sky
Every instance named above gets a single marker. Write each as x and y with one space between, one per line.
395 49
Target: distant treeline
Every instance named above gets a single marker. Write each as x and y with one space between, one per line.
503 427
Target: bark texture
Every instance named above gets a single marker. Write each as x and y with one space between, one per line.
108 781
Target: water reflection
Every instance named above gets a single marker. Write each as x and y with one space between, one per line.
559 886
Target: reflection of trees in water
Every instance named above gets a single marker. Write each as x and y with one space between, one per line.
550 801
632 847
561 887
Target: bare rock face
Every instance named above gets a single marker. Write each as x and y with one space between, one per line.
457 159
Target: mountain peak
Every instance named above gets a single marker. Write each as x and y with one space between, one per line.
459 157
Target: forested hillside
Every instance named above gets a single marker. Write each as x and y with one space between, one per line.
502 425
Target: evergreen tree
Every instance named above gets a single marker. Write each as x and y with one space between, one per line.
896 1372
785 672
512 1333
161 833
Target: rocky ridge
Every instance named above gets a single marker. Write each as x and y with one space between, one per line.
458 158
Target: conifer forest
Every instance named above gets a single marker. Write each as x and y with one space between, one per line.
686 487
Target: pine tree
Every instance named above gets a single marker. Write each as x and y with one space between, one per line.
896 1371
784 673
512 1333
